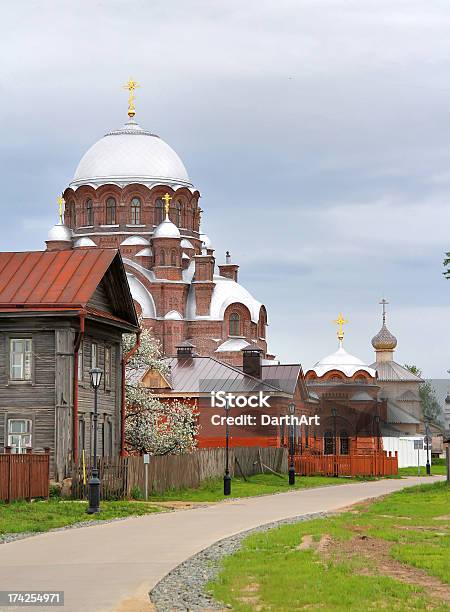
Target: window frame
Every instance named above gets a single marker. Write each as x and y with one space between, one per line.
111 205
81 362
22 434
234 324
94 345
159 211
89 210
23 379
136 206
108 367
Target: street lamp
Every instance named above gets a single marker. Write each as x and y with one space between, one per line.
291 409
427 442
334 415
227 477
94 481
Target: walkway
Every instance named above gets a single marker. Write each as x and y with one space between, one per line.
112 566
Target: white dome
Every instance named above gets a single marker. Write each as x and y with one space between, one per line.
60 232
342 361
186 244
84 242
135 240
167 229
147 252
206 241
130 155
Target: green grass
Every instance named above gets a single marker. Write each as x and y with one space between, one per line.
260 484
436 470
21 516
270 573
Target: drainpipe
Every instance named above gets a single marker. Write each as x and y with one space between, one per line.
125 360
78 339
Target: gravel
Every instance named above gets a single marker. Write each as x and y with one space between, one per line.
184 587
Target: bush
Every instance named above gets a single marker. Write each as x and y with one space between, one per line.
136 493
54 491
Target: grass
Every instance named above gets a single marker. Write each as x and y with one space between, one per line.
260 484
410 526
436 470
42 515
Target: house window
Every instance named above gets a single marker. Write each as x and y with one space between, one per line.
20 359
344 443
110 211
234 324
80 362
94 356
159 211
328 443
107 367
19 435
109 437
89 213
135 211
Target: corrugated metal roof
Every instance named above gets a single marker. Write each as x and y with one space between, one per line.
393 371
52 278
283 376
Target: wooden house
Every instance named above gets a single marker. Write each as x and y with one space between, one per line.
62 312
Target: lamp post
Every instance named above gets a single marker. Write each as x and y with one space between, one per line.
291 408
94 481
227 477
334 415
427 442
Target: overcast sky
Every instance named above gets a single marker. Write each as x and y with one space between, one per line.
317 131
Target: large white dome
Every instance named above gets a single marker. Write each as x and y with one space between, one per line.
131 155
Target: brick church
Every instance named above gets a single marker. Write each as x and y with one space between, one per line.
131 191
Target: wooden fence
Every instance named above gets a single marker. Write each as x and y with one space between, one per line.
122 476
377 464
24 476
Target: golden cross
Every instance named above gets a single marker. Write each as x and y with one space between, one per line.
340 321
131 86
61 203
167 199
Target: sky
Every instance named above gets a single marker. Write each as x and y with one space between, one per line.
317 131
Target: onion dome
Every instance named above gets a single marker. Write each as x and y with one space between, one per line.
60 233
206 241
167 229
84 242
384 340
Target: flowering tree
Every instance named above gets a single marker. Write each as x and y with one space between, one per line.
152 426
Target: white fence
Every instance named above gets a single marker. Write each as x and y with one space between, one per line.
407 455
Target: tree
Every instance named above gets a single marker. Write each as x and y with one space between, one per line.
152 426
431 409
447 265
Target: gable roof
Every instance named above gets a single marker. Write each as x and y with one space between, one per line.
283 376
393 371
61 280
395 414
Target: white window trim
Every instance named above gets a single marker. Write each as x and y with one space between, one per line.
21 447
22 379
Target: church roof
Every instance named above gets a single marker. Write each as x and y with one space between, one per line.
130 155
391 371
343 362
398 415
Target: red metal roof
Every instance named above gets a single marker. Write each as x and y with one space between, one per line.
52 278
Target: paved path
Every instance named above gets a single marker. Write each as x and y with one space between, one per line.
111 567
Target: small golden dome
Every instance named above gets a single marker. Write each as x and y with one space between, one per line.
384 340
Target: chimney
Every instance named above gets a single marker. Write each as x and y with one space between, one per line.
228 269
252 361
185 350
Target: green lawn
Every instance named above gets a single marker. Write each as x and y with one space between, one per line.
348 562
21 516
436 470
260 484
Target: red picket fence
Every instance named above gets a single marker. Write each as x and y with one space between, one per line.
24 476
376 464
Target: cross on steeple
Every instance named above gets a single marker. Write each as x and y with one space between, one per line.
61 203
131 86
340 321
167 199
383 303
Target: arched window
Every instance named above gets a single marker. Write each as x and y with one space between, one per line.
173 258
110 211
344 443
162 258
178 209
234 324
72 215
328 443
135 211
89 213
159 211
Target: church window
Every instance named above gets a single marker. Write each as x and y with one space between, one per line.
344 443
328 443
178 209
110 211
234 324
72 215
159 211
89 213
135 211
173 258
162 258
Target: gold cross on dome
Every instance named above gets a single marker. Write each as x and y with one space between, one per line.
167 199
131 86
383 303
340 322
61 203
